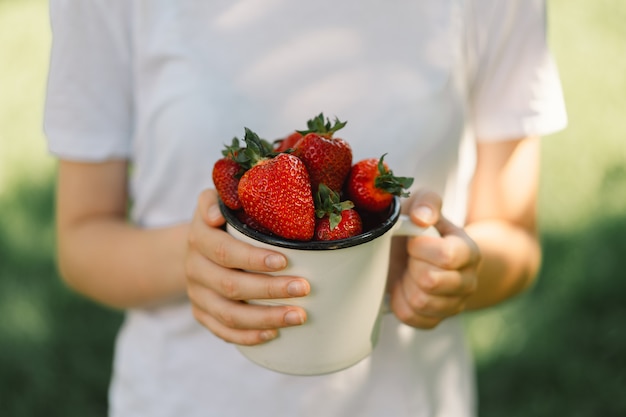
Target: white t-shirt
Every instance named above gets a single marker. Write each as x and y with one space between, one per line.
167 83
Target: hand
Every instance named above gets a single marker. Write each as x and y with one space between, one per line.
218 284
440 272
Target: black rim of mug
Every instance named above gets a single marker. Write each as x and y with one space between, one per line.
384 227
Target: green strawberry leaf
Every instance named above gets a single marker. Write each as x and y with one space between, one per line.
390 183
328 203
334 220
256 149
235 152
322 126
232 150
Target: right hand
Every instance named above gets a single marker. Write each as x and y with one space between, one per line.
223 273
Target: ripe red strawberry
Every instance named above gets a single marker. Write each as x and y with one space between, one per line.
250 222
226 174
335 219
276 192
328 159
287 143
371 185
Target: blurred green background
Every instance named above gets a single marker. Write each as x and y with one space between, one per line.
557 350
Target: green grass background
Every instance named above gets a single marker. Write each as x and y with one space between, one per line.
557 350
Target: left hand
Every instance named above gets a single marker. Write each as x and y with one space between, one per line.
440 272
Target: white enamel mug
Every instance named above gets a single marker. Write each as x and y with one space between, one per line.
347 279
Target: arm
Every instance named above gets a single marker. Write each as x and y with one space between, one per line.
502 219
496 256
103 256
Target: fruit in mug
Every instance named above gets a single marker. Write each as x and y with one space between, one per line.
371 185
328 159
336 219
226 174
244 218
276 192
287 143
349 225
270 187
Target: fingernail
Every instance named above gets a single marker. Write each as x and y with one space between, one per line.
424 214
214 213
293 318
267 335
296 288
275 262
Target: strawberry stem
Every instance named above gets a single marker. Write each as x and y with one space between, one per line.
388 182
256 149
232 151
328 203
235 152
322 126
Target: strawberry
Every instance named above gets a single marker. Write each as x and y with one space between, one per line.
226 174
335 219
276 193
250 222
283 145
371 185
328 159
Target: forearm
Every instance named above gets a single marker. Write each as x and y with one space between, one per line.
511 257
121 266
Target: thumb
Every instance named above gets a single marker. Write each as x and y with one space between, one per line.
209 209
425 209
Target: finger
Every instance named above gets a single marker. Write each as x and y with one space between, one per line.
425 207
427 304
243 316
447 228
237 336
221 248
405 313
208 208
451 251
240 285
443 282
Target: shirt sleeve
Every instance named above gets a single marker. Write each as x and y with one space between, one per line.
515 90
88 109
